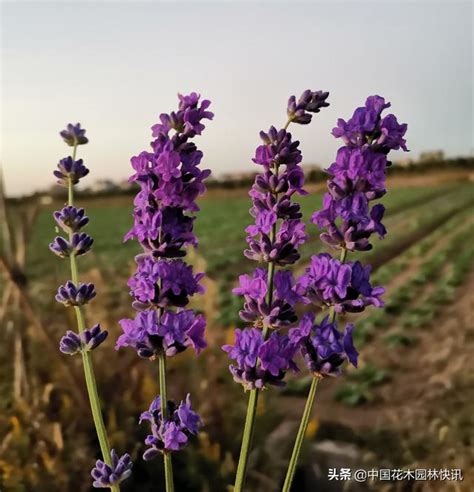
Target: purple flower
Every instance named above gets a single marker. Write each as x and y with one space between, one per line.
182 329
173 433
358 170
285 288
80 244
346 286
368 127
323 347
163 283
141 334
275 354
188 419
353 234
72 343
94 337
246 346
359 129
170 177
285 295
274 238
309 102
60 247
108 473
74 135
173 332
253 287
170 182
70 170
270 240
392 133
72 295
71 219
163 232
106 476
283 250
187 120
173 437
358 177
180 192
277 149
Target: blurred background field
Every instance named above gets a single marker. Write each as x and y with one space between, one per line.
410 405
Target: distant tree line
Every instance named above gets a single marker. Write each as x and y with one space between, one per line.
313 175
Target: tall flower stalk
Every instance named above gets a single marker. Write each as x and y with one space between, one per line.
347 219
262 355
113 469
170 181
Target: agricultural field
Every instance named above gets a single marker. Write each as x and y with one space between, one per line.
408 405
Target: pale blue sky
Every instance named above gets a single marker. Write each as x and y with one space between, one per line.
114 66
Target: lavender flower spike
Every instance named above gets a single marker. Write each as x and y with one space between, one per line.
170 182
309 102
357 177
111 470
263 357
106 476
347 220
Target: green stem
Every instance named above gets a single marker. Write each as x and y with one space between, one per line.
249 427
70 188
290 473
168 465
247 439
91 383
300 436
247 436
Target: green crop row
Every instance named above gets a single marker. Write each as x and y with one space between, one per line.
400 300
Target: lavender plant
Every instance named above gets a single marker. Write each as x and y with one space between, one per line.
170 181
261 353
347 221
112 469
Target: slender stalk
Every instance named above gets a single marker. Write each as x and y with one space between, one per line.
164 412
247 436
300 435
91 383
247 439
249 427
290 473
